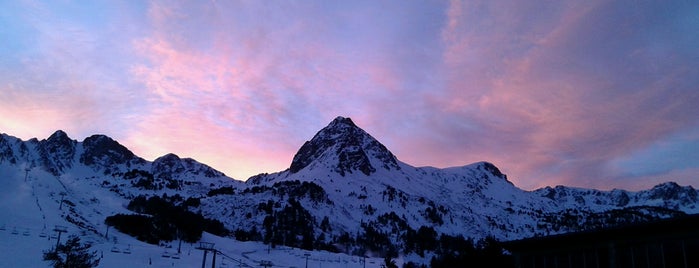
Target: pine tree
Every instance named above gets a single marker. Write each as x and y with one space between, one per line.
72 254
389 263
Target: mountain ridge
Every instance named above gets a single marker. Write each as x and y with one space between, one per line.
345 186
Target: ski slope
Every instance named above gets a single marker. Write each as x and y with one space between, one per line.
24 249
30 210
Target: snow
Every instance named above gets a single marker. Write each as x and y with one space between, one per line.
29 211
25 249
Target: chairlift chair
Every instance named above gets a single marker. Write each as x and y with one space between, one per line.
127 250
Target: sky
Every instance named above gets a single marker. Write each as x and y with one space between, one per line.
596 94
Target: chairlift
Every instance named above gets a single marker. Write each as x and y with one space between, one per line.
2 227
165 254
115 249
25 233
14 231
43 234
175 256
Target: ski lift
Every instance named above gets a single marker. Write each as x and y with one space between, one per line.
115 249
175 256
127 250
14 231
25 233
2 227
43 234
165 254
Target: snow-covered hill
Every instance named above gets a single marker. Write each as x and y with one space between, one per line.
344 191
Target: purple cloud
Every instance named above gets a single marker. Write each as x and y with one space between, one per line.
568 92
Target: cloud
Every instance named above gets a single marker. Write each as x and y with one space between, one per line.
64 79
673 153
558 102
214 68
562 92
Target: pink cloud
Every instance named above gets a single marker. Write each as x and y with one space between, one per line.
62 79
549 92
538 106
231 99
265 80
188 134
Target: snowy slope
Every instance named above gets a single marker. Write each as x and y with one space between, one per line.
30 209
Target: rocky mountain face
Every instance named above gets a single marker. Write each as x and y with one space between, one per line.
57 152
668 195
344 191
343 148
172 166
99 156
102 153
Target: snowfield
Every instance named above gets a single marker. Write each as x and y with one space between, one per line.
29 212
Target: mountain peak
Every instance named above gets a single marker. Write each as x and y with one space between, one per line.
57 152
170 165
103 150
673 191
58 141
58 136
343 147
342 121
490 167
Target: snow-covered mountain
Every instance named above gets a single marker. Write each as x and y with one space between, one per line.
364 185
343 191
342 147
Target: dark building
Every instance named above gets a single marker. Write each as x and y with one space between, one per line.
666 243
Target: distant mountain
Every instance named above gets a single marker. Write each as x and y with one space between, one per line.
99 156
360 187
343 191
